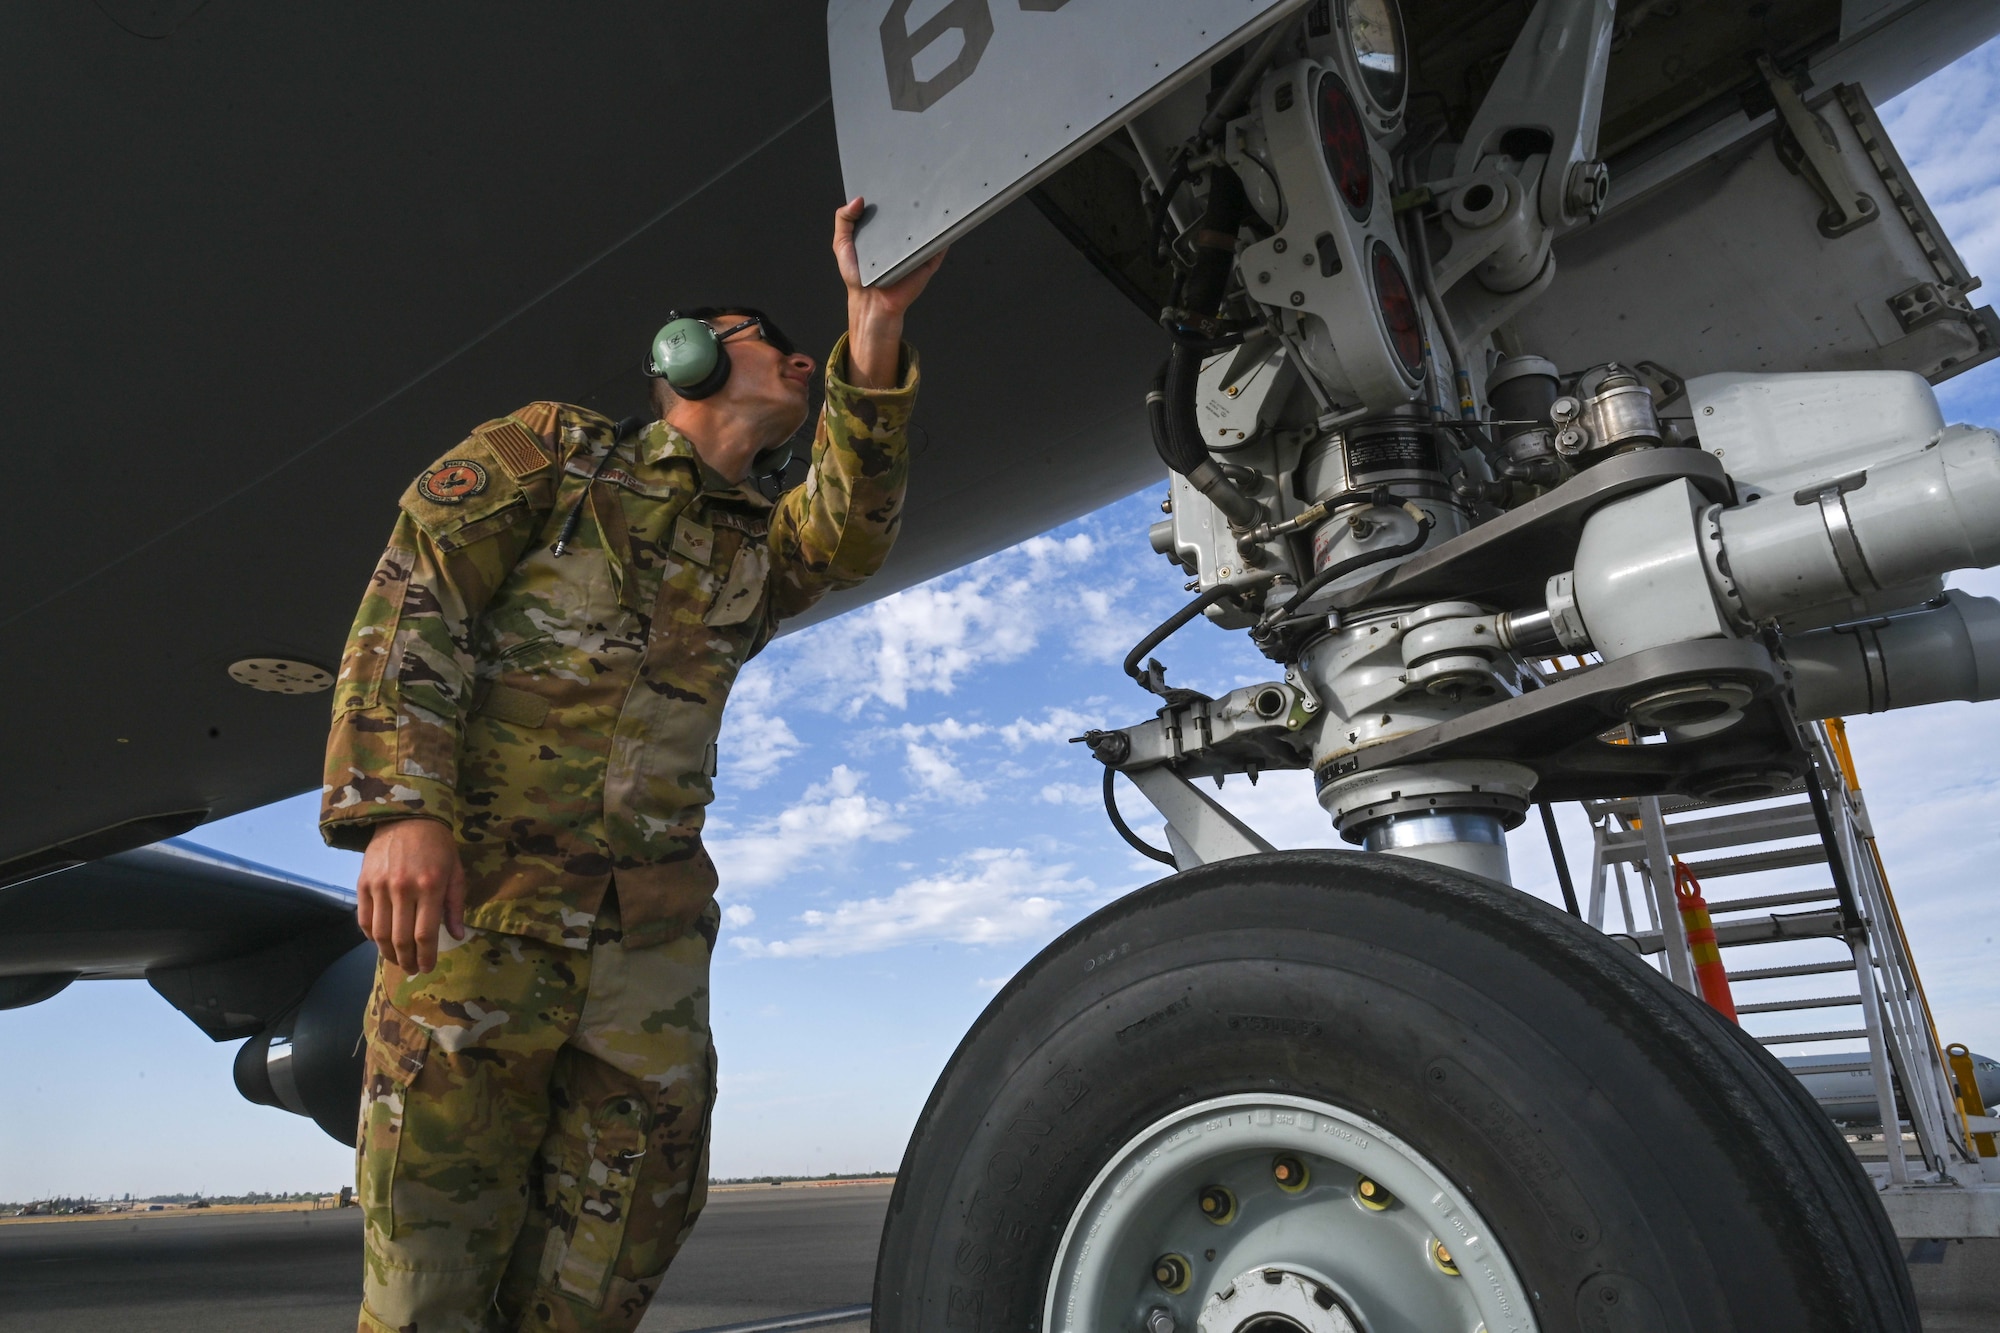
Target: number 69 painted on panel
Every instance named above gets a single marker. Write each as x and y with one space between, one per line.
973 19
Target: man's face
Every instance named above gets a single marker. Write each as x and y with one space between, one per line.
769 387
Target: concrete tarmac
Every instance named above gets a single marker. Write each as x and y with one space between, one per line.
757 1253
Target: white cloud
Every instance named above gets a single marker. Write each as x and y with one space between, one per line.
1071 793
989 896
949 730
928 639
1281 807
932 771
756 742
831 817
1057 724
737 914
755 746
924 639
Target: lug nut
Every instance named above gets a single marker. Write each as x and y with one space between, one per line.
1442 1258
1291 1174
1372 1196
1173 1273
1218 1205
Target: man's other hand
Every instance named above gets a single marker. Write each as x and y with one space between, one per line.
874 314
411 880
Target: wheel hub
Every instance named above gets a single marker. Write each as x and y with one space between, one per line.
1272 1300
1263 1213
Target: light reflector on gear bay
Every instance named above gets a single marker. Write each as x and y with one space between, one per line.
1343 141
1398 307
280 675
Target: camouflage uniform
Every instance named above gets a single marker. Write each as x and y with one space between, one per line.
560 713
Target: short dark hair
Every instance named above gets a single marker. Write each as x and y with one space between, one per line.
662 396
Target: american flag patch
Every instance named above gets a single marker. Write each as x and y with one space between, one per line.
517 448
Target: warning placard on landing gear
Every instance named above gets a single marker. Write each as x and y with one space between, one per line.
948 110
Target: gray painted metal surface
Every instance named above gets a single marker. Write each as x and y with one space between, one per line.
1198 828
947 112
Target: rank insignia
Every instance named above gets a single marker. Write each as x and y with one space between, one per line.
453 481
694 540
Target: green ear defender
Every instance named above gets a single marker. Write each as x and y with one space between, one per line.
688 356
688 353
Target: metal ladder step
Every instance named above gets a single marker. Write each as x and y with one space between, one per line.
1767 930
1778 858
1686 805
1705 835
1794 970
1844 1034
1781 926
1855 1066
1774 900
1818 1002
1780 822
1676 805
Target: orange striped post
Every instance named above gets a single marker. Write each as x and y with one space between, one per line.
1708 968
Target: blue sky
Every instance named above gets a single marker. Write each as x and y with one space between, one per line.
902 825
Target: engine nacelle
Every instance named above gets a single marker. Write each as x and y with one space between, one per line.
309 1062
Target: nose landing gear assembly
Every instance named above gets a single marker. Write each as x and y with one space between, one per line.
1314 1092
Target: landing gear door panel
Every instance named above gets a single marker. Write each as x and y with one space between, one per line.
1744 264
947 110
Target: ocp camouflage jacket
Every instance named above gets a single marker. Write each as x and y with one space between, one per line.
561 712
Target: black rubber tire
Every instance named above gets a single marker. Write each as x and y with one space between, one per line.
1615 1132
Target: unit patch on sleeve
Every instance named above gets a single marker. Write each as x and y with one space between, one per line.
452 482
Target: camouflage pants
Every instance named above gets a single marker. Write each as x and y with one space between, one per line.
533 1145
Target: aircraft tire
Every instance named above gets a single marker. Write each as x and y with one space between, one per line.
1593 1148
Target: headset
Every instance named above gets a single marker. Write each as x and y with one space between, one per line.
690 355
689 352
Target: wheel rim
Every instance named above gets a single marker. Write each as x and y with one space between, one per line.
1195 1217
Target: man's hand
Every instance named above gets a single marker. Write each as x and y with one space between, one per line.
411 879
874 314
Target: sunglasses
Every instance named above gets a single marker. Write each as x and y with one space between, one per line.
747 317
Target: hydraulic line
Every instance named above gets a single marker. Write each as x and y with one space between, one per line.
1177 436
1420 251
1137 843
1342 568
1168 627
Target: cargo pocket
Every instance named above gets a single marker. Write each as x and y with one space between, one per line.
600 1192
397 1048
